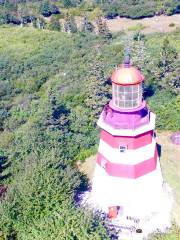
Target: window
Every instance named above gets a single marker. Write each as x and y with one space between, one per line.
122 148
127 96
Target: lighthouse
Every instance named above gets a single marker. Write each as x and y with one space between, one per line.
127 179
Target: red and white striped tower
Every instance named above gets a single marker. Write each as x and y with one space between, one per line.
127 172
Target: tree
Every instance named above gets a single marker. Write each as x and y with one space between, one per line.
45 9
40 23
140 56
70 25
172 81
143 59
34 22
24 15
67 3
54 9
40 204
55 24
98 90
87 26
168 67
3 166
103 29
168 57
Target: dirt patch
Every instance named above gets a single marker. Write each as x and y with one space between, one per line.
155 24
88 167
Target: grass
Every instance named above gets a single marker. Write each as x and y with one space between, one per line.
171 169
136 28
173 38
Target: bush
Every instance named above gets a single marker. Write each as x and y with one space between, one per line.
85 153
68 3
5 88
173 234
54 9
47 9
172 25
166 107
54 25
37 202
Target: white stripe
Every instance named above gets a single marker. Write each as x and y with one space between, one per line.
130 156
127 132
117 191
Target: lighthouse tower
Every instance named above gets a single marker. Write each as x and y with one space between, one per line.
127 173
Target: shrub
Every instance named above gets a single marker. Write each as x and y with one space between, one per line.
166 107
85 153
172 25
47 9
5 88
54 24
67 3
173 234
39 202
54 9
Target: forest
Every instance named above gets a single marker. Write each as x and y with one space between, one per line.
30 11
52 90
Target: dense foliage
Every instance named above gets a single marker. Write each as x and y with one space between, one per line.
138 9
53 87
23 12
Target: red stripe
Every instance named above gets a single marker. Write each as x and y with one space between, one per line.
126 170
131 142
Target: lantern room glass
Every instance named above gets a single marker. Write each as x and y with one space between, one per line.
127 97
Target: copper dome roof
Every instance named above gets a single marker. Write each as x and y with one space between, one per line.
126 74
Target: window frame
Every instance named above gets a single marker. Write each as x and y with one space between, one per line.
127 97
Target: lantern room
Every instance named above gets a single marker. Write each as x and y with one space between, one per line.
127 86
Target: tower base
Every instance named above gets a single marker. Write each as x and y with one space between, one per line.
144 203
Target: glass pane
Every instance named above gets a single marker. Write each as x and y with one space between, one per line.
140 93
121 97
115 94
114 87
135 88
128 96
128 88
135 103
121 104
128 104
120 89
135 95
116 102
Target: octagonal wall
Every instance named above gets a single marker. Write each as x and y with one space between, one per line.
130 142
128 170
